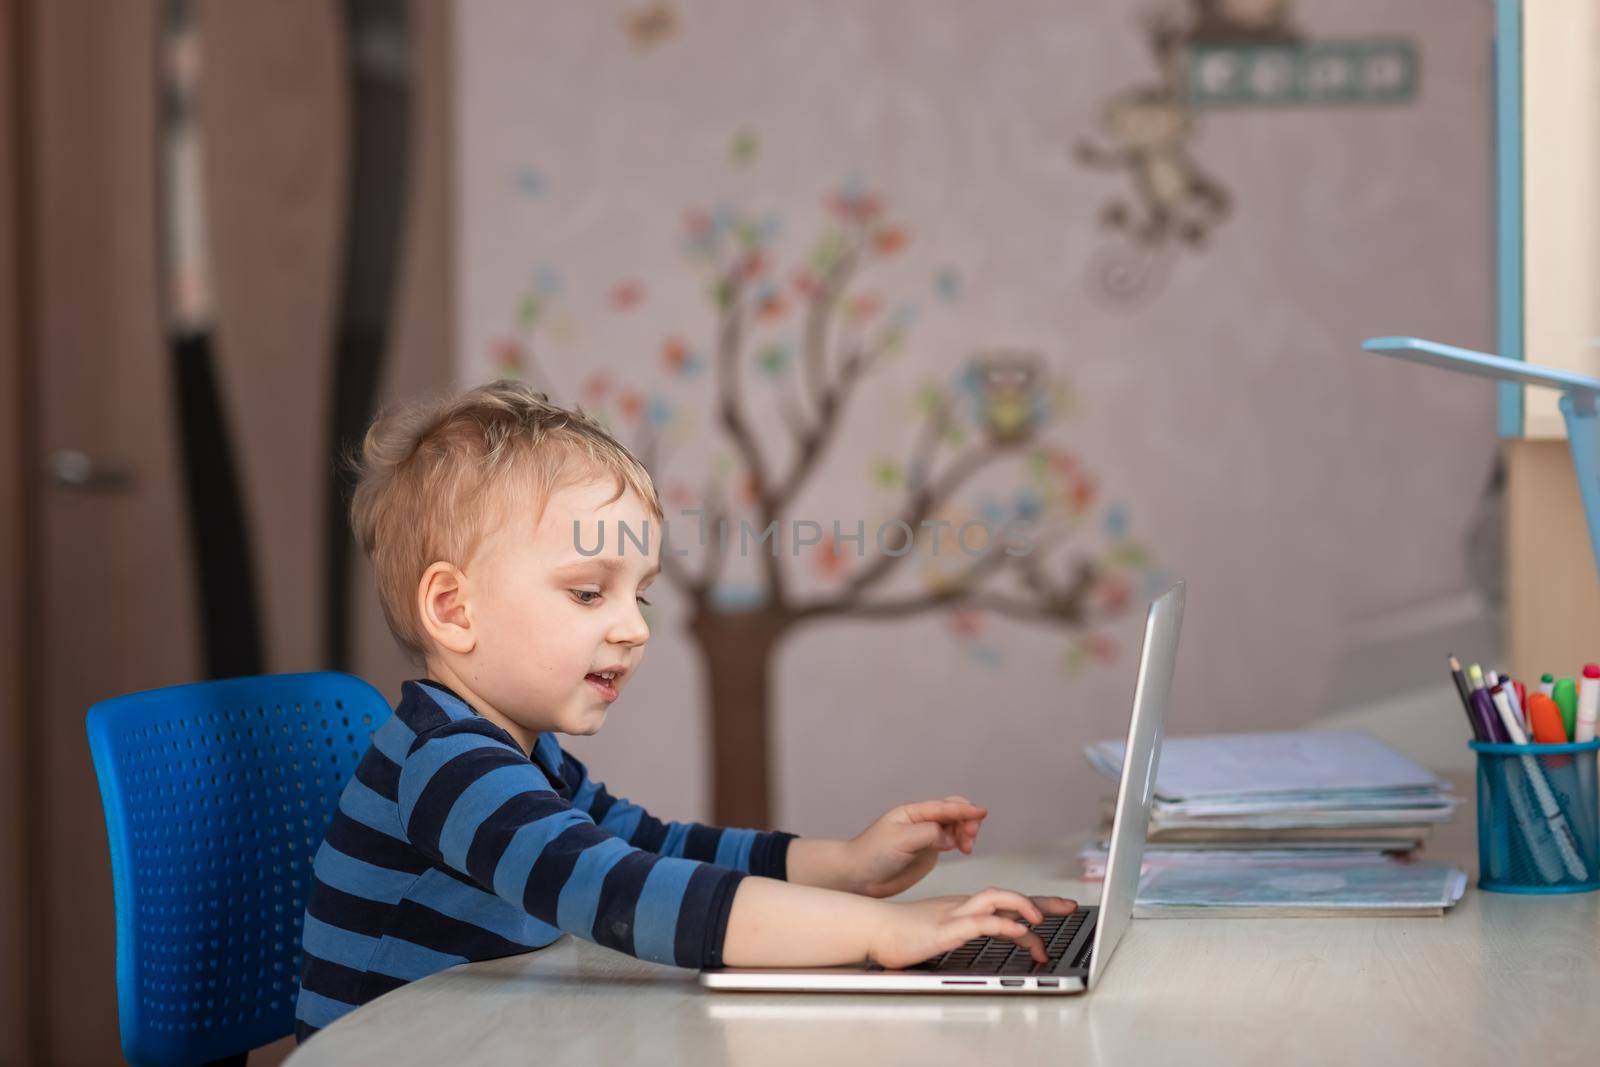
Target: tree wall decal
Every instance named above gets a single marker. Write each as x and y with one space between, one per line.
1029 565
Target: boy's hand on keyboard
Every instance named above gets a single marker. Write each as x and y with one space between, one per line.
903 844
922 929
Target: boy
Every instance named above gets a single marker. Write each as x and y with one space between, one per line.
468 833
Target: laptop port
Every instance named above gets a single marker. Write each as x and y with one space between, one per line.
1012 983
1049 983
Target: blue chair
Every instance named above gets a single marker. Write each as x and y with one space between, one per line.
216 797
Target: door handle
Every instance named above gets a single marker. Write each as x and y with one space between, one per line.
73 469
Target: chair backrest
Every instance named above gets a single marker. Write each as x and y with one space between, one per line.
216 797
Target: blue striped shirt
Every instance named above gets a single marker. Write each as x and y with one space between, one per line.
450 844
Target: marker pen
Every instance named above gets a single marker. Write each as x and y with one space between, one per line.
1583 726
1515 700
1475 676
1488 720
1464 691
1534 832
1566 843
1588 703
1547 684
1566 697
1546 720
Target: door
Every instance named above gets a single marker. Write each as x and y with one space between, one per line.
102 568
116 596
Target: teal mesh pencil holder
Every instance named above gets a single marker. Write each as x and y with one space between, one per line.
1538 818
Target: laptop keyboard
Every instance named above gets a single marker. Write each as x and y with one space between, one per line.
992 955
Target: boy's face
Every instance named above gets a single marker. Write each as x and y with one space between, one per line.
548 619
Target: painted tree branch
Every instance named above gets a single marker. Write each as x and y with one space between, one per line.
934 429
819 313
954 589
960 589
1010 606
716 513
1064 605
793 417
925 499
730 337
649 449
834 398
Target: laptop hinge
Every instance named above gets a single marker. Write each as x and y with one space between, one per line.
1077 955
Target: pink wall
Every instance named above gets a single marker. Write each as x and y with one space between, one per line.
1298 486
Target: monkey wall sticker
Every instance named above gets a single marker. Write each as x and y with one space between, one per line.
1243 21
1145 132
1255 54
1170 198
649 23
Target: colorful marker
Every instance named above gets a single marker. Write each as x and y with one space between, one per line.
1547 728
1547 684
1465 692
1588 703
1475 676
1566 698
1515 701
1583 729
1566 844
1483 708
1546 857
1546 720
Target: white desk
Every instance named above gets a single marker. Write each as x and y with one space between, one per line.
1502 980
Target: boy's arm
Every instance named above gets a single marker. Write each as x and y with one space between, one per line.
774 924
477 806
821 862
777 924
473 804
889 856
768 853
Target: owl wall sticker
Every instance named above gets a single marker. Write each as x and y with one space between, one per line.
1005 390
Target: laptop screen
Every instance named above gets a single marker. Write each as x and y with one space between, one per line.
1137 785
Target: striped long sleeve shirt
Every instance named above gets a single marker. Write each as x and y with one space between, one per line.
450 844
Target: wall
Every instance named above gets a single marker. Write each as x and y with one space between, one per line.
1230 426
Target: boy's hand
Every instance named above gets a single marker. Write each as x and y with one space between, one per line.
922 929
897 850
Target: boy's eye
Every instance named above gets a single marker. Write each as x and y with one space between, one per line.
581 593
643 601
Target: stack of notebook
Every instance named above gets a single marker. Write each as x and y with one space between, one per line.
1309 822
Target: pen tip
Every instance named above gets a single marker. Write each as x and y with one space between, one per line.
1455 664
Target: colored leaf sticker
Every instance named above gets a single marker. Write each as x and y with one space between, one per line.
743 149
626 295
528 311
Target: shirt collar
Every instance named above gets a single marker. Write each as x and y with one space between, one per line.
546 750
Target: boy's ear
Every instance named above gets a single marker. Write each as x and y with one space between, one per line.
442 606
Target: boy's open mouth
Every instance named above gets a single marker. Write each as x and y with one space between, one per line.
604 682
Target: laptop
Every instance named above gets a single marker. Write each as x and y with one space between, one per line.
1079 945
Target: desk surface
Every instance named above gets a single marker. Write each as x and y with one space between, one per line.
1504 980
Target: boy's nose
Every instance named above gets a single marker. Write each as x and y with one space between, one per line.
631 629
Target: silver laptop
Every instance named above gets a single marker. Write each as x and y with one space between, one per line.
1079 945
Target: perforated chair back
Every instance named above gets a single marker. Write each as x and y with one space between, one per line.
216 797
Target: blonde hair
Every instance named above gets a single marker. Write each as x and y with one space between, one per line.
435 476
